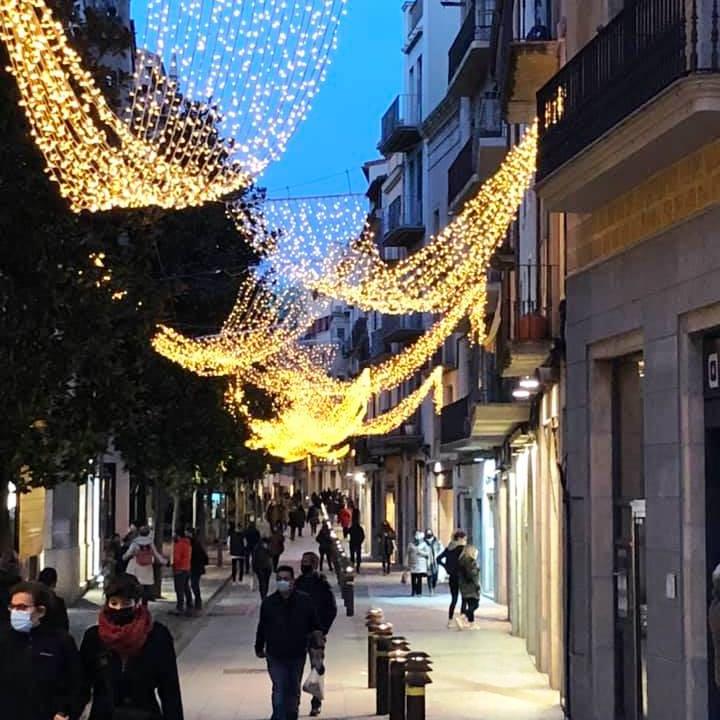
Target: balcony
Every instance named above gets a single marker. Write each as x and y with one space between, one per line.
401 125
472 425
476 162
469 55
403 223
414 18
530 338
407 436
402 328
642 94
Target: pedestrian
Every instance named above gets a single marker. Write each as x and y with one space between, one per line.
313 518
40 670
435 548
263 566
252 538
416 559
287 620
9 577
345 520
277 546
127 541
356 538
387 546
182 564
314 584
714 621
199 560
237 550
326 547
141 557
469 576
129 661
449 559
56 615
297 519
274 514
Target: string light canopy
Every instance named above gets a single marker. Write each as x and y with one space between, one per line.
343 260
241 70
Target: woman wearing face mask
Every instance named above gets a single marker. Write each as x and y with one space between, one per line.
40 671
128 658
417 558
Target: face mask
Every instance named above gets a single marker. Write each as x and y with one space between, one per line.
121 616
283 586
306 569
21 620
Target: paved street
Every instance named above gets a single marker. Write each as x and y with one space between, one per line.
484 675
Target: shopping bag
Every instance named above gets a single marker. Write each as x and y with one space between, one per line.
315 685
404 577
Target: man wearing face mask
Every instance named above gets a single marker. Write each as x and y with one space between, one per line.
129 660
287 620
40 671
318 588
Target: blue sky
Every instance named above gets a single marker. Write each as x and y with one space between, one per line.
343 128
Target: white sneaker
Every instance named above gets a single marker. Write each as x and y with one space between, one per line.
451 624
473 626
459 621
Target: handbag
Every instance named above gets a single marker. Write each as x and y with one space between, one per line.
314 685
404 577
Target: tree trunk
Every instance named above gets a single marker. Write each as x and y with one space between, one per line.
176 511
6 536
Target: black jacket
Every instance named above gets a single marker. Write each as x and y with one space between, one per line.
8 578
449 559
40 675
318 588
285 625
198 559
57 616
262 559
357 536
237 544
252 538
324 540
155 668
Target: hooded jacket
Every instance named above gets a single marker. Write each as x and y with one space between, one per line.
469 577
144 573
449 557
40 675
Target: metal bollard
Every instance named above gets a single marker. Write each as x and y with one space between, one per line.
416 678
373 619
398 662
382 671
349 592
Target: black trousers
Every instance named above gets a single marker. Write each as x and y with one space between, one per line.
470 606
238 568
416 583
263 577
355 556
325 554
195 587
182 590
386 563
454 593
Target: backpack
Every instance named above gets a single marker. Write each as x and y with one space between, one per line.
144 556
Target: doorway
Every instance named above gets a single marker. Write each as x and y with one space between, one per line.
629 539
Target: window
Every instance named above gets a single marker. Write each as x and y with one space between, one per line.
341 333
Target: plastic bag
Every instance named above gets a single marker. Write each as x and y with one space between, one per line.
405 577
315 685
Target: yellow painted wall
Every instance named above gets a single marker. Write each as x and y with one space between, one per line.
32 523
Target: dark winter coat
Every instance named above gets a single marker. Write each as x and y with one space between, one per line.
154 669
313 514
714 619
56 616
285 625
357 536
324 540
387 542
277 544
40 675
297 518
262 559
237 543
318 588
469 577
199 559
449 558
252 538
8 578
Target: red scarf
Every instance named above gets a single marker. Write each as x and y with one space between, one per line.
126 640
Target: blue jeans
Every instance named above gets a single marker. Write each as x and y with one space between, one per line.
286 676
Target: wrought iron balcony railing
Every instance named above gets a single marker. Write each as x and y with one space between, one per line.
476 26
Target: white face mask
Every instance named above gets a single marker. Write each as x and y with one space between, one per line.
283 586
21 620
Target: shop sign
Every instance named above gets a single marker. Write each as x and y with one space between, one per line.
711 367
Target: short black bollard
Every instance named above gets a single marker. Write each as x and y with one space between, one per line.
398 662
382 672
349 593
416 678
373 619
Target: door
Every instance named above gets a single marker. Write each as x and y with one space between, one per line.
630 612
712 540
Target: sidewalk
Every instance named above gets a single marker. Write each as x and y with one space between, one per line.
483 675
84 613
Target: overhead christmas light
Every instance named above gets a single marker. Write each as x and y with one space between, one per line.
529 383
